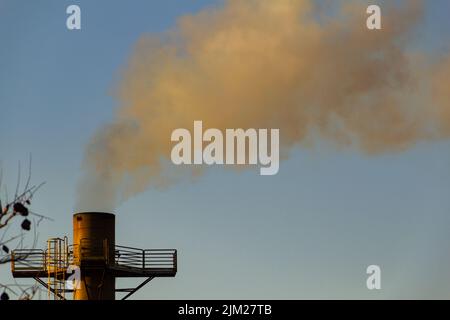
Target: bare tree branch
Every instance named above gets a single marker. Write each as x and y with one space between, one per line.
16 212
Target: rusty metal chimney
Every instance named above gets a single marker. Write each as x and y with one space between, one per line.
94 242
98 259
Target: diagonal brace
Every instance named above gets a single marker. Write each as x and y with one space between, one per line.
138 287
49 288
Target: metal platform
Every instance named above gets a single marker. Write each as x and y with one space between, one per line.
127 262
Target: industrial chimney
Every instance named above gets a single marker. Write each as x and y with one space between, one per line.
92 262
94 244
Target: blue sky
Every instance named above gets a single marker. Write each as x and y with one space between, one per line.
308 232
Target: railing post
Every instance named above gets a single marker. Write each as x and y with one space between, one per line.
143 259
175 262
12 261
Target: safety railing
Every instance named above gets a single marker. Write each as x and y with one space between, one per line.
146 258
29 260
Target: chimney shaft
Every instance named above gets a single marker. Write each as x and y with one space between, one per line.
94 242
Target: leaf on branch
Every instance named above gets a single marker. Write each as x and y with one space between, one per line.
26 225
20 208
5 248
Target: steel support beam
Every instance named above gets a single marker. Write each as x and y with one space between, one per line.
48 288
138 287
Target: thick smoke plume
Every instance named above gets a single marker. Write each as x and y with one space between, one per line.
269 64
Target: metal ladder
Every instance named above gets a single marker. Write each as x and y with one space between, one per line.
56 260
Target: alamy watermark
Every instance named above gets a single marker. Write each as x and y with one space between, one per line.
373 282
249 146
74 280
73 21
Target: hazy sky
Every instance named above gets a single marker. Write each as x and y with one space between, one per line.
308 232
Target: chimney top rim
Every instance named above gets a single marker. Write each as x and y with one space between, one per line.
94 213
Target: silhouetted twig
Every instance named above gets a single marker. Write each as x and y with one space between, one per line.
18 211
